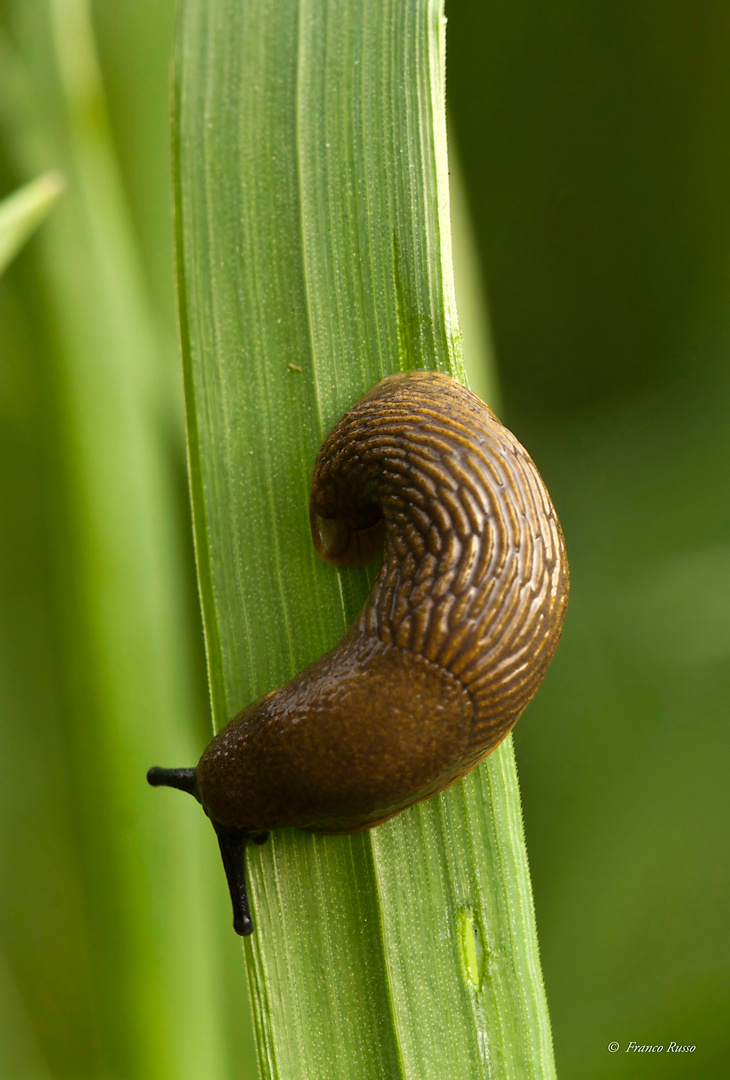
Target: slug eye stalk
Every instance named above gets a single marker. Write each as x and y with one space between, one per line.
181 779
232 844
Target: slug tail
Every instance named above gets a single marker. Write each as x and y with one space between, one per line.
232 843
181 779
336 542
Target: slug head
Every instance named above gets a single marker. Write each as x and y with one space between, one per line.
231 841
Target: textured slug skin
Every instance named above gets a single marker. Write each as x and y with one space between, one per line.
453 641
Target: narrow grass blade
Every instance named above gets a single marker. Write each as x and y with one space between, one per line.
314 257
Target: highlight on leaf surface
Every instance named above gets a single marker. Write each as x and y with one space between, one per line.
23 211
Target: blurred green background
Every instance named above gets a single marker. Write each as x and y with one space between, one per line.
594 143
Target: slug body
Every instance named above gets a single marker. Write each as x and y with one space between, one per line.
452 643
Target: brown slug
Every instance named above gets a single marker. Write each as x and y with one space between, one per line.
453 641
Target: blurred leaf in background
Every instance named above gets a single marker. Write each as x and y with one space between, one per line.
596 156
593 142
112 963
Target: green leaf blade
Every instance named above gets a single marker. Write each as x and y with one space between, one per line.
313 234
453 866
